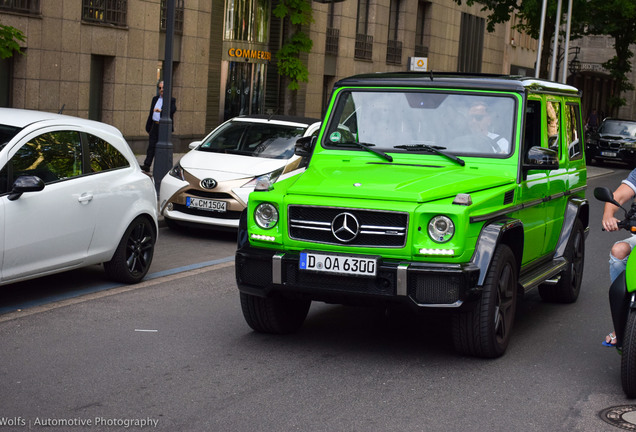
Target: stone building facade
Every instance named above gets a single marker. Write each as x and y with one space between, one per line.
102 59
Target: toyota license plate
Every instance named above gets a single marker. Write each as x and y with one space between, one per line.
341 264
206 204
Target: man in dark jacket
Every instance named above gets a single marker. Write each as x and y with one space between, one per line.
152 125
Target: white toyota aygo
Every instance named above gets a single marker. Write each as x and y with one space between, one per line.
210 185
72 194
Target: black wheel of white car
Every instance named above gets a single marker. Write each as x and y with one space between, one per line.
133 256
569 286
278 315
485 330
628 358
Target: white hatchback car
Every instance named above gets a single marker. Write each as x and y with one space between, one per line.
71 195
211 183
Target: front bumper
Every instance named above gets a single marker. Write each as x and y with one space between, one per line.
263 272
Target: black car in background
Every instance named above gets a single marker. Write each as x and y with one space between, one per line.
614 140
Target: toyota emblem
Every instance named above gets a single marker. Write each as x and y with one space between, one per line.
208 183
345 227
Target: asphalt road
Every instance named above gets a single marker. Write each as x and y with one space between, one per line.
175 350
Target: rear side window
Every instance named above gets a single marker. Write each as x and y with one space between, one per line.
573 131
103 156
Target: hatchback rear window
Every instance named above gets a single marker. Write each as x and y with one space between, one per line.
254 139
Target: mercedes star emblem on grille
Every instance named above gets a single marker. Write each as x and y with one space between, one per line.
345 227
208 183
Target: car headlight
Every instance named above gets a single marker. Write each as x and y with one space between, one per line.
266 215
177 171
441 229
265 179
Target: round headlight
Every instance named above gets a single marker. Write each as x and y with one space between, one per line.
441 229
266 215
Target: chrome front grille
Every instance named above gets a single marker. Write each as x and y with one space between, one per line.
373 228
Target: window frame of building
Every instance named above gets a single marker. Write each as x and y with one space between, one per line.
471 43
364 41
107 12
178 15
394 44
333 33
422 38
31 7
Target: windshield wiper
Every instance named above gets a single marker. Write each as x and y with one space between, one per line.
368 147
434 149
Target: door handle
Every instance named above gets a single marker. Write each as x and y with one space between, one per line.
85 198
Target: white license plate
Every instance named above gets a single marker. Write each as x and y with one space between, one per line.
341 264
206 204
609 154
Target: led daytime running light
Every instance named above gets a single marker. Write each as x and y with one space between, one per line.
262 237
443 252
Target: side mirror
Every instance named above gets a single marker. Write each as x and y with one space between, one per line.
194 144
541 158
25 184
603 194
305 146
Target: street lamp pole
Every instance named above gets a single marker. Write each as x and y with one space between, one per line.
163 155
555 42
564 74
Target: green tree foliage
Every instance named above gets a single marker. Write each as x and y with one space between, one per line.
9 38
297 13
615 18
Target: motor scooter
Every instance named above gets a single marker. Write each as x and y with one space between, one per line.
622 296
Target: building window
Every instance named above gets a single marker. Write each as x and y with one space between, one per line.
471 43
422 37
364 42
23 6
331 45
394 46
247 20
105 11
178 15
394 52
333 33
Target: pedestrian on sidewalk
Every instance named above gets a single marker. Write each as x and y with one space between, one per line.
152 125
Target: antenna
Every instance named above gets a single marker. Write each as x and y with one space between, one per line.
61 109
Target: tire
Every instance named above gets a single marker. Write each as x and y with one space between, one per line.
278 315
569 286
485 330
628 358
133 255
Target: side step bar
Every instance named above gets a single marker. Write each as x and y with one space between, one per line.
547 273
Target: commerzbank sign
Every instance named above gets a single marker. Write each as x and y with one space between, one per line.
246 54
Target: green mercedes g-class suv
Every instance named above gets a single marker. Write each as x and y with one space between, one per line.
443 191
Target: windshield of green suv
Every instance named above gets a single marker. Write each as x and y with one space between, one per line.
264 140
423 121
